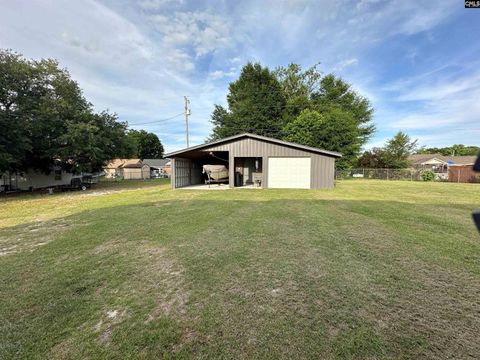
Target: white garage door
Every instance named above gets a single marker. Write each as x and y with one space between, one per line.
289 172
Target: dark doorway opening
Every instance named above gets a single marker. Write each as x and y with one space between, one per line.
248 171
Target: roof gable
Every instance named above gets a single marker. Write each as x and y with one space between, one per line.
134 166
118 163
155 162
257 137
422 158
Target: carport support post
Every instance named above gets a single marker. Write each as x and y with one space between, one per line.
172 174
265 171
231 170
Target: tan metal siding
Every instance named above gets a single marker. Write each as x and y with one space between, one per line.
323 167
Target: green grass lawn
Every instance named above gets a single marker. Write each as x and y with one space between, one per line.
371 269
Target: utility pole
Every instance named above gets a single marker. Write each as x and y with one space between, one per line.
187 114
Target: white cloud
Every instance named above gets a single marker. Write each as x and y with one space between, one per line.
449 106
220 74
200 31
398 17
366 3
344 64
158 4
442 89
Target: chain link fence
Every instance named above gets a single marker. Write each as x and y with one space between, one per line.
387 174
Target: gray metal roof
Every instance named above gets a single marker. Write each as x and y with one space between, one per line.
156 163
258 137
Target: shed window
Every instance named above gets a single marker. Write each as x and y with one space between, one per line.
58 174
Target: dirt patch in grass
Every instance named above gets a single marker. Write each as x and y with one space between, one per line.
165 277
31 236
153 292
107 323
8 250
63 350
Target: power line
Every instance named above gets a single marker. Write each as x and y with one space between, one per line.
156 121
276 107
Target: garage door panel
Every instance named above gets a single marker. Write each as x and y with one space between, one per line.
289 172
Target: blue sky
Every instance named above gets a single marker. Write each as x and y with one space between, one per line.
417 61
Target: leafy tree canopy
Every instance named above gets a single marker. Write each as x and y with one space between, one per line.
256 103
336 93
334 130
394 155
145 145
46 120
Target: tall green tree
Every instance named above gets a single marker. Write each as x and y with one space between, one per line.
92 140
298 87
256 102
398 149
335 130
394 155
45 120
145 145
336 93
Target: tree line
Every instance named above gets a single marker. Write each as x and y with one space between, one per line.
46 121
454 150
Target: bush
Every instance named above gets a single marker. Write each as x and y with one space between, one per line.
428 175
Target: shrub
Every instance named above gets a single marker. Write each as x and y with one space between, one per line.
428 175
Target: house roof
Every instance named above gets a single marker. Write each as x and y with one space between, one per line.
422 158
134 166
461 160
257 137
156 163
418 159
119 163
